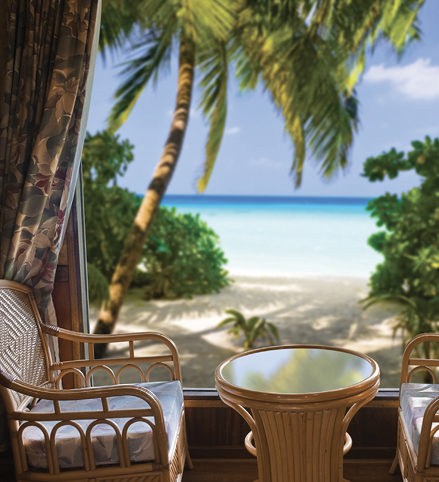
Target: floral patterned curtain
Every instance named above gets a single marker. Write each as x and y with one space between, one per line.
48 64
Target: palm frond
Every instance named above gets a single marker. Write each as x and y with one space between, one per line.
305 79
214 106
206 23
399 22
251 322
238 316
372 300
273 330
310 55
118 19
298 134
226 321
156 47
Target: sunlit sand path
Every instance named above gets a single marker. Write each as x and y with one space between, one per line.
307 309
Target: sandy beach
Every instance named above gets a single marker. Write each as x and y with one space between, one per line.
308 309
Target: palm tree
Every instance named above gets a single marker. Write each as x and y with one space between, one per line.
308 54
200 29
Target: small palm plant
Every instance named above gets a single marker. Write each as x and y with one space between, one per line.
418 315
252 329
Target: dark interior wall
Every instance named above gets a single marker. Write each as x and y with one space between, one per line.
3 39
215 431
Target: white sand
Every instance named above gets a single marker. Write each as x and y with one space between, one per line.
313 310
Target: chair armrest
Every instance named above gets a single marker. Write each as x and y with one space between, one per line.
113 338
130 338
103 416
420 362
103 393
427 433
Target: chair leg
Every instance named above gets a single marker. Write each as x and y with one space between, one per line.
188 462
394 465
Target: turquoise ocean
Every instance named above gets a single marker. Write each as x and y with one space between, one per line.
270 235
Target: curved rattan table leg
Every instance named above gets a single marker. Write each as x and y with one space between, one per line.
298 436
248 444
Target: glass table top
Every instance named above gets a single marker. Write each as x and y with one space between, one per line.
296 370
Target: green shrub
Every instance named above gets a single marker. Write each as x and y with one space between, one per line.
109 209
97 286
181 257
409 273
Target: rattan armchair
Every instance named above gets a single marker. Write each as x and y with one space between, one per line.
104 434
417 452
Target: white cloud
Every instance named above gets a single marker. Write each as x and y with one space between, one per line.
232 130
263 162
418 80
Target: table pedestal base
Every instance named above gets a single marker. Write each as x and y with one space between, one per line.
300 446
299 442
299 437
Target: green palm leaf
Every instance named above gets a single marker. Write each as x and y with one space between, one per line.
138 72
226 321
214 105
310 55
206 22
252 329
251 323
236 314
118 19
273 330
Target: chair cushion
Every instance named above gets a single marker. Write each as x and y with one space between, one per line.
140 437
415 397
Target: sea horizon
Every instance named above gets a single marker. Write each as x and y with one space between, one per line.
288 235
264 199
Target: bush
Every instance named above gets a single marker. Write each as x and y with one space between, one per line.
410 244
181 257
109 209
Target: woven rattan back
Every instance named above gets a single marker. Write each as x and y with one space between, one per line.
22 354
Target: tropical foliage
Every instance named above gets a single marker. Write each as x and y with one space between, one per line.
308 54
194 27
410 242
252 329
109 209
181 256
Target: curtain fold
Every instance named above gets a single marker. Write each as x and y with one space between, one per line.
49 54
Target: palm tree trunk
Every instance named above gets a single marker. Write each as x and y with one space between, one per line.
129 259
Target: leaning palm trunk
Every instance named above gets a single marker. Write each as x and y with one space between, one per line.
132 251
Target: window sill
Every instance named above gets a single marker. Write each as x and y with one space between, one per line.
208 397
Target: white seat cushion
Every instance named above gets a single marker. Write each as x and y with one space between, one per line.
415 397
140 438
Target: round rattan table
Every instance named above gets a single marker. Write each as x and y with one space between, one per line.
298 401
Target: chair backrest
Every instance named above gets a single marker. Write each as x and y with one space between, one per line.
23 352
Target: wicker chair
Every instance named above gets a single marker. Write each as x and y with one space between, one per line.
103 434
417 450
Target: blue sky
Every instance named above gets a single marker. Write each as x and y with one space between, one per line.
399 102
